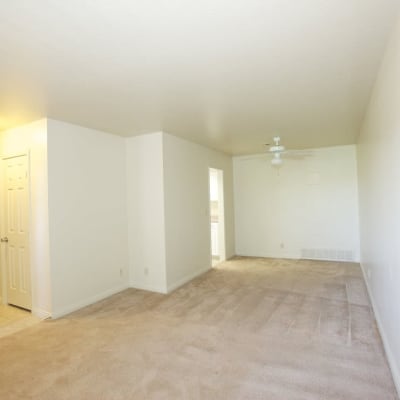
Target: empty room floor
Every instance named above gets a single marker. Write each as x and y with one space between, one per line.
251 328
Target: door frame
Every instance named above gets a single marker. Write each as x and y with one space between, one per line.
3 262
221 212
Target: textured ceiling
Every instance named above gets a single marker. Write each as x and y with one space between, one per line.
227 74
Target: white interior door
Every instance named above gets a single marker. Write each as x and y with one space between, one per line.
16 241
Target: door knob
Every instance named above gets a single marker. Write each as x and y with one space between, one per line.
4 239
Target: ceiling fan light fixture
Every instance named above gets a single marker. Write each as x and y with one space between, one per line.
277 160
276 147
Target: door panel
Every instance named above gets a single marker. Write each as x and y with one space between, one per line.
17 248
12 270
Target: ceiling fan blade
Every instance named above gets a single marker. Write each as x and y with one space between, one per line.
298 154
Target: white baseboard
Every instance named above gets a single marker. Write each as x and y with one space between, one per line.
289 256
293 256
170 288
86 302
330 260
42 314
186 279
149 288
394 367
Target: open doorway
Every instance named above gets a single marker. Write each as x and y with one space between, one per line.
217 220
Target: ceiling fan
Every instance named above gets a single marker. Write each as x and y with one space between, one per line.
277 149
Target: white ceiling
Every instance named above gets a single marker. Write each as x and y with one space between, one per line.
229 74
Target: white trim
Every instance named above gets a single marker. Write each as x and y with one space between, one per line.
394 368
187 278
355 261
90 300
289 256
149 288
42 314
293 256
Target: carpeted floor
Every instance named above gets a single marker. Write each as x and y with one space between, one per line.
13 319
250 329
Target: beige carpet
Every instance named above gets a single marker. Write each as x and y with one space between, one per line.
250 329
13 319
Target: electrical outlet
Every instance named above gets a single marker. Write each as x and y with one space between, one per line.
121 272
146 271
282 245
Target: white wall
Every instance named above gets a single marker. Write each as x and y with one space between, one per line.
146 225
379 181
87 215
187 221
168 209
213 185
32 139
106 207
308 208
